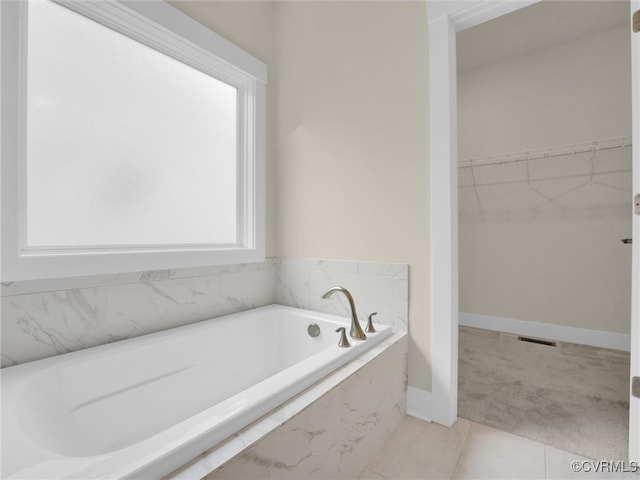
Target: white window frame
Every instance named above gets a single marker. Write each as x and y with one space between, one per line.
164 28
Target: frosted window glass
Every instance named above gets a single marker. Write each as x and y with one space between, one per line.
125 145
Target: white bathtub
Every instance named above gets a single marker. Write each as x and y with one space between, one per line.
142 407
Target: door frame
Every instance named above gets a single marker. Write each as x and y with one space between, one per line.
445 19
634 403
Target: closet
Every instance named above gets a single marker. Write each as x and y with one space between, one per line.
544 203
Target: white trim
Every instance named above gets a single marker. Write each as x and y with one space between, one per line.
466 14
419 403
634 403
444 222
173 20
166 29
445 19
548 331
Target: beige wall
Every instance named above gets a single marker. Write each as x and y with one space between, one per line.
569 270
250 26
352 142
573 273
576 92
348 169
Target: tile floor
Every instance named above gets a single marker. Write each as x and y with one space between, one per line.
468 450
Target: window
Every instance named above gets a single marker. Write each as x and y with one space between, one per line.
132 139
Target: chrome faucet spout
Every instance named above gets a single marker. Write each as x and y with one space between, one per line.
356 331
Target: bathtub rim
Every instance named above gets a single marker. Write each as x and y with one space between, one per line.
216 456
168 458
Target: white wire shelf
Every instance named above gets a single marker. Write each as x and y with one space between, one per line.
571 179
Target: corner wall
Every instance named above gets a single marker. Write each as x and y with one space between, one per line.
347 173
352 137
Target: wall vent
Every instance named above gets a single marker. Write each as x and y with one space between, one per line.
538 341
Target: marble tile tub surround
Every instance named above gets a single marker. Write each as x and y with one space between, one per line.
376 287
331 430
43 318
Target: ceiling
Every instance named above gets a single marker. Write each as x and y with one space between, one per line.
536 27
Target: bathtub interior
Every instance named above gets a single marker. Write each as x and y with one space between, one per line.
106 399
101 404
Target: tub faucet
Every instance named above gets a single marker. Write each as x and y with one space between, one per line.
356 331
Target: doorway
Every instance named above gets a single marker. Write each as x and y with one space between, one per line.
544 177
445 20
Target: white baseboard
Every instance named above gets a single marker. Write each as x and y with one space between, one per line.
419 403
595 338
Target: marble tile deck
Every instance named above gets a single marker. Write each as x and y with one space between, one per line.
468 450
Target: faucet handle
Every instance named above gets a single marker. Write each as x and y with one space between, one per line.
344 341
369 328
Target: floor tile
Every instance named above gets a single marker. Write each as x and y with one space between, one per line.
494 454
560 466
421 450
